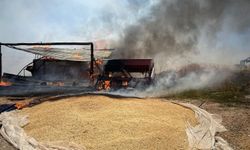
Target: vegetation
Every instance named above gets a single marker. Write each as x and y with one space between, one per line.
231 90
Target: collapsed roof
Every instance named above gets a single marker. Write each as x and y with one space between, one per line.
73 54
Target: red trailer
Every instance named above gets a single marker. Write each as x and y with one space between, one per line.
123 73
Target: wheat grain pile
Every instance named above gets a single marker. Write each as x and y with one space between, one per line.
99 122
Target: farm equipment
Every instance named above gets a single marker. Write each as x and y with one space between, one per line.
243 63
123 73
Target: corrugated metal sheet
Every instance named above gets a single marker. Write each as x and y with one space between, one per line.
79 54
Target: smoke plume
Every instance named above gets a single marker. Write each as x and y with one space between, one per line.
187 28
181 32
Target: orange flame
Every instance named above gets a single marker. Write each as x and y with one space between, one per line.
45 47
107 85
101 44
2 83
21 105
48 58
99 61
55 83
124 83
77 55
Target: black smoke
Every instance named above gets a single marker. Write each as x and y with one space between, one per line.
175 27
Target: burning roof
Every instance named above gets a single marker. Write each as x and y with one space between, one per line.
73 54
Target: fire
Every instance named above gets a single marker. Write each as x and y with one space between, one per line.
124 83
101 44
48 58
2 83
107 85
99 62
77 55
55 83
45 47
20 105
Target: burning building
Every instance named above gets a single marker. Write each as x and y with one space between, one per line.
79 67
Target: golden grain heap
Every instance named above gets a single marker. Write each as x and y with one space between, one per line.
99 122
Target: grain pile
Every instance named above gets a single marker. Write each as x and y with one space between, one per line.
99 122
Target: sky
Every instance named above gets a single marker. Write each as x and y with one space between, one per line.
97 20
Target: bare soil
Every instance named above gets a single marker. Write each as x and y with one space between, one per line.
236 119
4 145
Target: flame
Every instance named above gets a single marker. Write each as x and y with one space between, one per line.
55 83
2 83
48 58
101 44
45 47
107 85
99 61
77 55
21 105
124 83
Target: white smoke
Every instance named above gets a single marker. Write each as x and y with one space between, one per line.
172 83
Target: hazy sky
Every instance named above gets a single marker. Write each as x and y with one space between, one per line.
93 20
62 20
32 20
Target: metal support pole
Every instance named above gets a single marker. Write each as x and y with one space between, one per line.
0 62
92 59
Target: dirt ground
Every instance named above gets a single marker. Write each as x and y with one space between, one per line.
236 118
